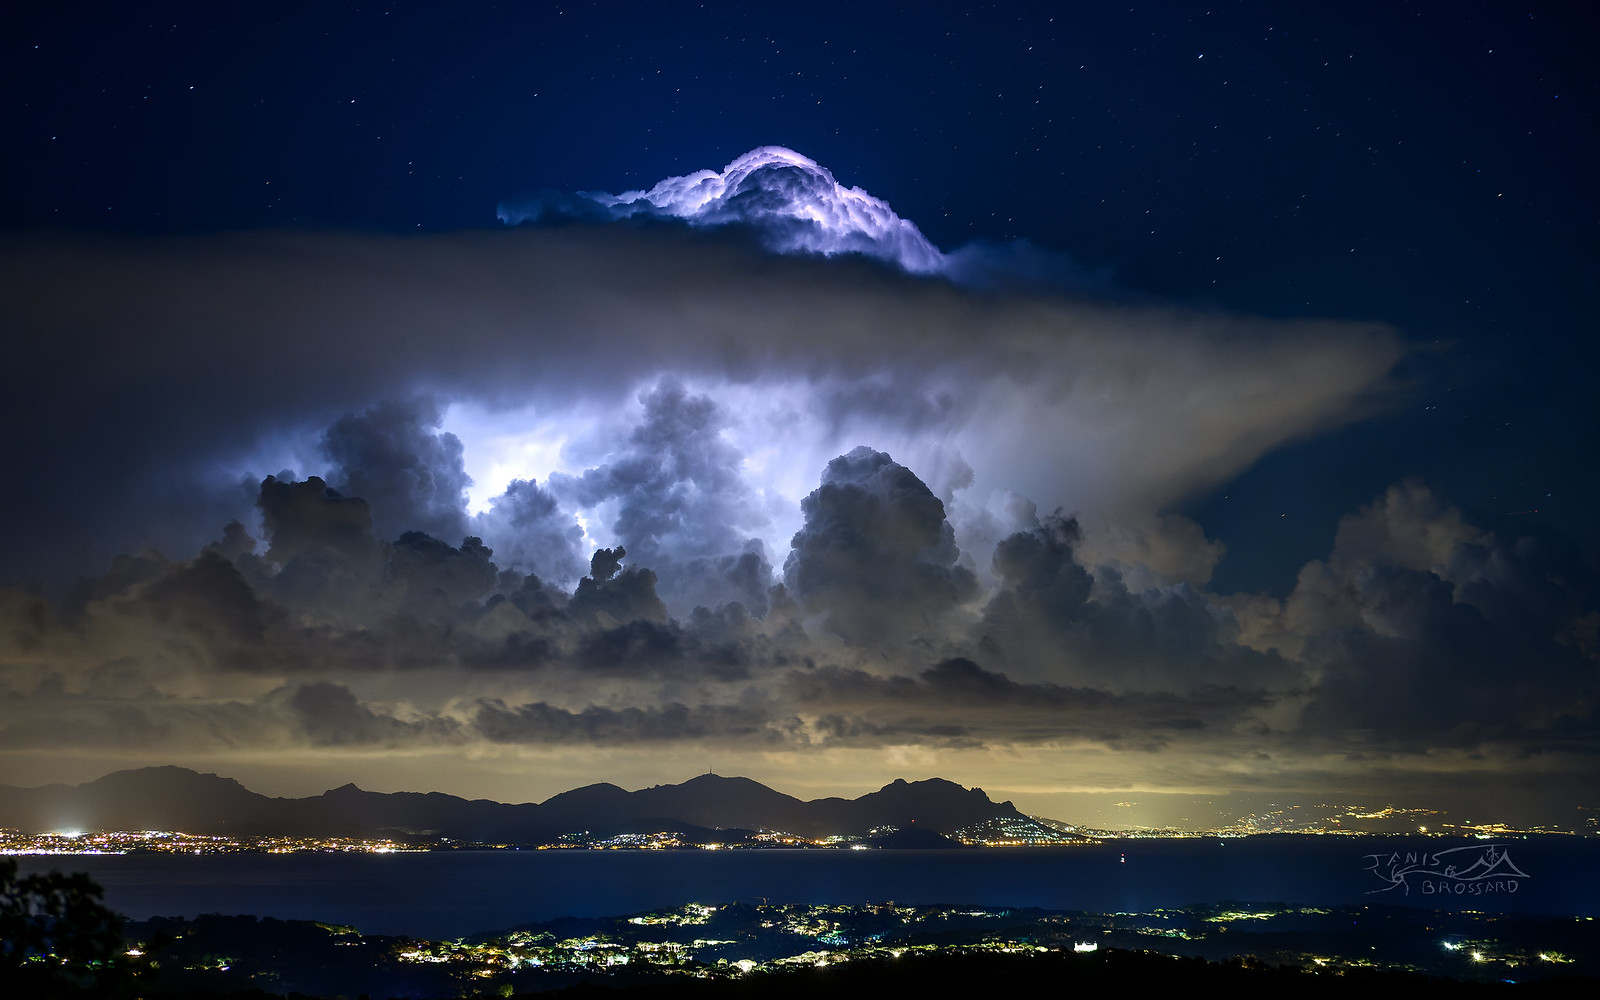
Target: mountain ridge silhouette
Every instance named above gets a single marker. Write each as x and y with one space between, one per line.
179 799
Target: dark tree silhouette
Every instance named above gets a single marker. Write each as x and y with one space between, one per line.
56 937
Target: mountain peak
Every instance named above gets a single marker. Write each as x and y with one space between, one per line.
717 779
165 775
172 798
930 784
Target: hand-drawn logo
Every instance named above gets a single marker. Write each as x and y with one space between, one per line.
1474 870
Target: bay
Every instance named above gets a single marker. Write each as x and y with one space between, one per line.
447 894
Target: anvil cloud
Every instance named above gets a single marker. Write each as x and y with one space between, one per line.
781 489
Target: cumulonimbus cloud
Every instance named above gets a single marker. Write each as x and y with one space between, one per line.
163 378
785 501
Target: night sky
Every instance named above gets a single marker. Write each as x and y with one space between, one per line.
1173 405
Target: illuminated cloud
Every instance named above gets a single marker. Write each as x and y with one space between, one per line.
600 486
876 556
1114 413
792 201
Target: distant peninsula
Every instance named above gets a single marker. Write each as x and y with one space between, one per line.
708 810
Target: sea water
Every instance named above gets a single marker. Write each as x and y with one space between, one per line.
445 894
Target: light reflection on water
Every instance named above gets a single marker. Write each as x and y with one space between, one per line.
448 894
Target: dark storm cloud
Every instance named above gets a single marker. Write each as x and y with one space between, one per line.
959 698
1423 631
210 598
1051 617
682 503
673 722
1040 577
612 595
410 473
394 456
161 374
526 526
310 519
315 714
330 715
876 556
438 580
1490 648
332 599
322 553
155 726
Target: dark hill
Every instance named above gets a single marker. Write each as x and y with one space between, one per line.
916 838
150 798
714 801
175 798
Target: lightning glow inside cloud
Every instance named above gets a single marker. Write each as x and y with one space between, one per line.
834 483
955 425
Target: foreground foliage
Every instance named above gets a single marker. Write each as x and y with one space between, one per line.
57 938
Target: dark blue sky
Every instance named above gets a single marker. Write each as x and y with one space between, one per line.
1426 165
